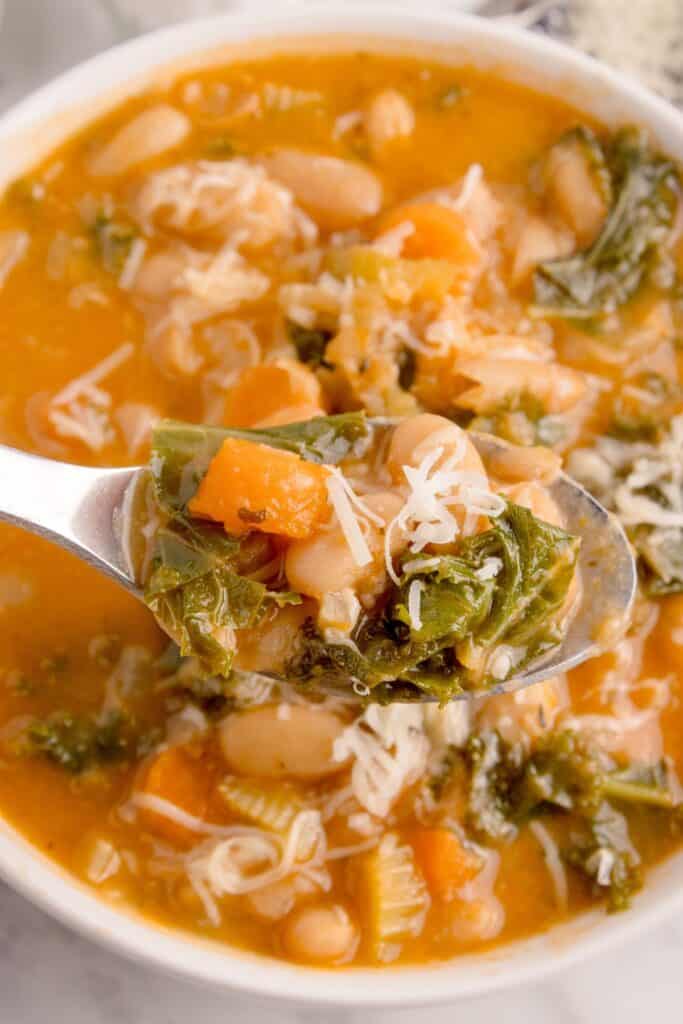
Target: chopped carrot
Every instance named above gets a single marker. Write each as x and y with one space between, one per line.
440 233
177 777
444 860
250 486
263 391
291 414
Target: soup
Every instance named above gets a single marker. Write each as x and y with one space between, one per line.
300 288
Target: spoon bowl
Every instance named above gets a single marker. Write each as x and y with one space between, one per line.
88 511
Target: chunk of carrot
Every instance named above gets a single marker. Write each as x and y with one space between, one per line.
251 486
439 233
262 391
180 779
444 860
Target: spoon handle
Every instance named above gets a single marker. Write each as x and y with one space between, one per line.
73 506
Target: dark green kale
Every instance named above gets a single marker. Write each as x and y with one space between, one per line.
182 682
603 853
565 771
181 452
79 742
112 241
566 774
310 344
200 593
505 585
643 187
642 482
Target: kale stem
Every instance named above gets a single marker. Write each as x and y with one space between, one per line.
637 793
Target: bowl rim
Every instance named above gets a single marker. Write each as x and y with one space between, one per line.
46 883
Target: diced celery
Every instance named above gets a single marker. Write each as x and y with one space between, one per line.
397 896
272 806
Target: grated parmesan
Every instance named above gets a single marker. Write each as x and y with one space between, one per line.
473 178
81 410
133 263
389 751
343 498
553 862
435 487
414 602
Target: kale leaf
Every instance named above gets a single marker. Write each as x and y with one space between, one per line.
639 480
199 593
607 273
181 452
565 773
79 742
604 854
503 586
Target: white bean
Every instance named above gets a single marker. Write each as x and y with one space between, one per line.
478 920
536 498
524 463
323 563
149 134
557 387
258 742
572 186
320 933
417 436
266 647
538 240
337 193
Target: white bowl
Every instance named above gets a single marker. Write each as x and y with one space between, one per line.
31 130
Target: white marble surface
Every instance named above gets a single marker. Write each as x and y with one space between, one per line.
48 973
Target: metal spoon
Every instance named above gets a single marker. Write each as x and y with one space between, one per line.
85 510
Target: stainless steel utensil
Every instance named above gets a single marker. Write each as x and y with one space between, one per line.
87 511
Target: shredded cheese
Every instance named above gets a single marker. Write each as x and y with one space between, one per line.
414 601
133 263
436 485
234 197
490 569
389 751
343 499
86 383
104 863
553 862
473 178
250 859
